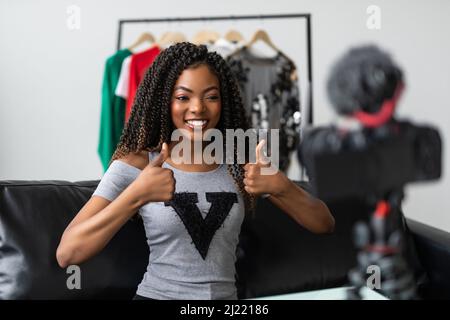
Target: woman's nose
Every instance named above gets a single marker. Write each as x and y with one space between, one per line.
197 106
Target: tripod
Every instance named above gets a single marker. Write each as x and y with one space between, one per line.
380 245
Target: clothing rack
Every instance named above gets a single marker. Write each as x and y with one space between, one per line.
306 16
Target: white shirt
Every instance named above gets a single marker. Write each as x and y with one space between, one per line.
224 47
124 79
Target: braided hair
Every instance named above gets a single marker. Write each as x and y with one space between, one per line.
150 124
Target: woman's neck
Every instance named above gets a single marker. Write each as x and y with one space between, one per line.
193 162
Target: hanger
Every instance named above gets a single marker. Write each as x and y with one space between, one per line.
171 37
234 36
206 37
144 37
261 35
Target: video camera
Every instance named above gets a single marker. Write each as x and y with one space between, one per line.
368 152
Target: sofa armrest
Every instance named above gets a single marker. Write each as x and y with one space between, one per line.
433 249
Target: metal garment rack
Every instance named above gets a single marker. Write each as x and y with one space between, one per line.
306 16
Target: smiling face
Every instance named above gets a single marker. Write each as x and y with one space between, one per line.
196 101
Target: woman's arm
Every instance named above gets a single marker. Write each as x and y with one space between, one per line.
100 219
308 211
94 226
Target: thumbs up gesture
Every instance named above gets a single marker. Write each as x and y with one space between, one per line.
257 183
154 183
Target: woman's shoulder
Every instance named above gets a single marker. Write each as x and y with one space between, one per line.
138 160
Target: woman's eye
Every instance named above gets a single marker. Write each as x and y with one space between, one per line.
213 97
182 98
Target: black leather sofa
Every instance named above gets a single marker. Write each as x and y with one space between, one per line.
275 255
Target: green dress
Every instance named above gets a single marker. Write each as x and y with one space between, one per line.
112 109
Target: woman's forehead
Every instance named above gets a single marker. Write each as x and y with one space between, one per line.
197 78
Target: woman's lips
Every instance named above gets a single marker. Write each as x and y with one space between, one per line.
196 124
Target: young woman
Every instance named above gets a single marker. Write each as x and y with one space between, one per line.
192 213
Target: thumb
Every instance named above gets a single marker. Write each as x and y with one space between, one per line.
159 160
260 156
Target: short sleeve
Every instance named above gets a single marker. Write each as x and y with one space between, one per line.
122 83
117 178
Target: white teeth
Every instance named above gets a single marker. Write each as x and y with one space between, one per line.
196 122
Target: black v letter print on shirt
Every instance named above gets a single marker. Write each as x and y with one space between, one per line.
202 230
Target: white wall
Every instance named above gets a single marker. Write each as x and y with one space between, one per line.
50 76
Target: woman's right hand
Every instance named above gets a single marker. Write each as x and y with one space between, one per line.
154 183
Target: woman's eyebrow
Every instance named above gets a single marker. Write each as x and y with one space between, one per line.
183 88
189 90
210 88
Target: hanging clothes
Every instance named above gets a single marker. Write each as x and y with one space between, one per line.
269 88
224 47
139 64
112 108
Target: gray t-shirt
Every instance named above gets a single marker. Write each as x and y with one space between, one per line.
192 238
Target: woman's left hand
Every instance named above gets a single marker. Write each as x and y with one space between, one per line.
258 183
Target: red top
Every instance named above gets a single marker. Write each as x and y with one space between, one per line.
139 64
